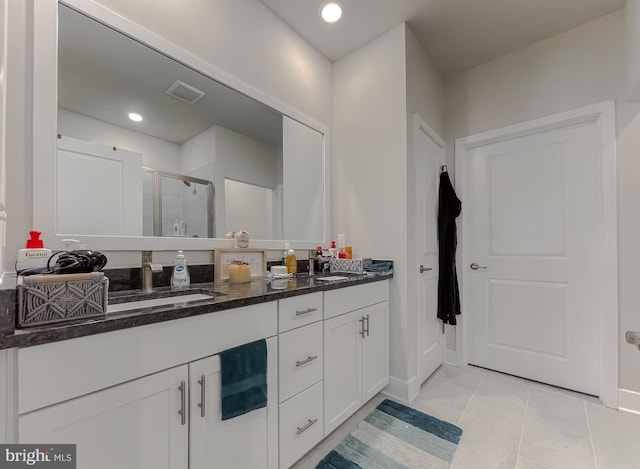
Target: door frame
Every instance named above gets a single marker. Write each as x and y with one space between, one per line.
603 114
420 125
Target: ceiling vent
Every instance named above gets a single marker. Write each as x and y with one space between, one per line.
184 92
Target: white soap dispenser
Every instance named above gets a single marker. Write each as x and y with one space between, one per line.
180 277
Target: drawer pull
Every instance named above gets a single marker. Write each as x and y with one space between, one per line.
361 321
309 423
309 359
203 393
183 403
306 311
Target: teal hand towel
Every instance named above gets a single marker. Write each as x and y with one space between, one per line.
243 379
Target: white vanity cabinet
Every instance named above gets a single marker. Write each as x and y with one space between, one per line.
134 425
249 440
300 355
356 349
159 419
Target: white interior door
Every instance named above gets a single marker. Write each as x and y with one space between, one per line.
98 189
532 223
429 156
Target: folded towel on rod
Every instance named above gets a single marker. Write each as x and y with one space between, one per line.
243 379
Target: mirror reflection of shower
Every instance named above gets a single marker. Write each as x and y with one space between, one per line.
177 205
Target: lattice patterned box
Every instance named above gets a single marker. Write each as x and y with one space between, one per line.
349 266
47 299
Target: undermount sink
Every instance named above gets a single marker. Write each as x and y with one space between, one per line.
171 300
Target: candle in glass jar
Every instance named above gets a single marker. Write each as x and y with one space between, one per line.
239 272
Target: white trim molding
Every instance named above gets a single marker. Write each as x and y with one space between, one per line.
603 114
629 401
8 396
402 390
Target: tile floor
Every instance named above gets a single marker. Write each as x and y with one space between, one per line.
509 422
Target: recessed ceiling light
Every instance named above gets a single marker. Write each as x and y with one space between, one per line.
331 12
135 117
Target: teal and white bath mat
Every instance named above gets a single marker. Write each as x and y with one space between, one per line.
395 436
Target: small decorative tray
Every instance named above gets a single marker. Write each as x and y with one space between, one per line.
47 299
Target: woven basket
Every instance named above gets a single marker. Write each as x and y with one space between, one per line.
48 299
349 266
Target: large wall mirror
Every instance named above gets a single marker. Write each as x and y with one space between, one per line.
148 146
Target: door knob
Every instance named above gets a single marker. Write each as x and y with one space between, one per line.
424 269
476 266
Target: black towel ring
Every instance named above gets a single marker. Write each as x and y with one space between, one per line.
443 168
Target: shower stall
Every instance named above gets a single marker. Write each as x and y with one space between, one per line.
177 205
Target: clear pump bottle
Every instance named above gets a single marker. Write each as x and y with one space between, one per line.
180 277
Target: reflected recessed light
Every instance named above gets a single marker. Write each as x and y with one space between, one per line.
135 117
331 12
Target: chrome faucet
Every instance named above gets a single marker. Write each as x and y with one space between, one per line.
148 267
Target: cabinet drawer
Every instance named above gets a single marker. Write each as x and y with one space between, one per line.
300 359
299 311
344 300
301 424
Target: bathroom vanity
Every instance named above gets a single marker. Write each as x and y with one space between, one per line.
141 388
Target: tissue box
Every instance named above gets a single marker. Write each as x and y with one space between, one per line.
48 299
349 266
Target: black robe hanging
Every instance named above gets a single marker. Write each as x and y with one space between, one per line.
449 207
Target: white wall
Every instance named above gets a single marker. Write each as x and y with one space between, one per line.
242 159
586 65
17 143
3 171
249 208
198 152
156 153
633 35
425 97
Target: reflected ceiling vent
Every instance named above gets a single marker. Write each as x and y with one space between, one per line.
184 92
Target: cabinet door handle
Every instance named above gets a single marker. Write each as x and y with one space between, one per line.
202 382
183 402
367 329
309 423
309 359
306 311
361 320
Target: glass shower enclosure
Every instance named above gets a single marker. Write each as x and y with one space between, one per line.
177 205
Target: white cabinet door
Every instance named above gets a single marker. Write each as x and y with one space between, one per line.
135 425
375 350
247 441
103 184
342 357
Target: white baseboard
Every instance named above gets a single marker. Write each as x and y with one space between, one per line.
629 401
402 390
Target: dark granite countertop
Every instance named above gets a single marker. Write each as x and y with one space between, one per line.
229 296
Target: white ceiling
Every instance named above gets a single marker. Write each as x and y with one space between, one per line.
456 34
